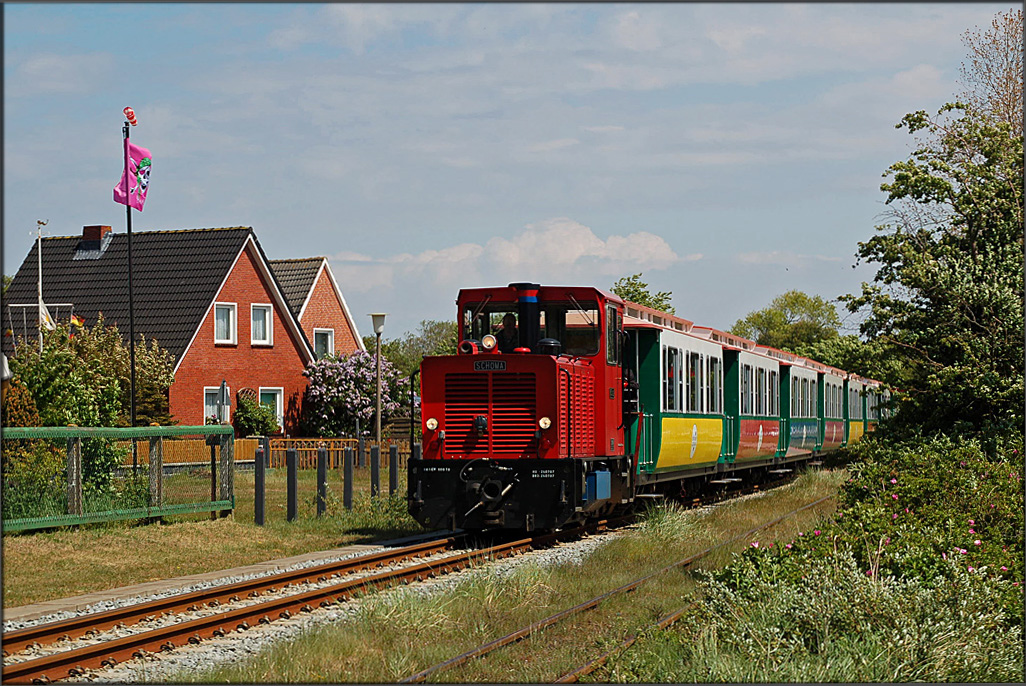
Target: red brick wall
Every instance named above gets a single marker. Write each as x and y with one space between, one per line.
324 311
242 365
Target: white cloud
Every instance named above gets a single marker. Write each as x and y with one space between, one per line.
49 73
633 32
548 146
554 250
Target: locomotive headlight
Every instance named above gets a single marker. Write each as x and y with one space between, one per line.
431 424
488 341
544 423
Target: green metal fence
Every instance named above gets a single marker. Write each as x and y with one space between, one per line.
62 476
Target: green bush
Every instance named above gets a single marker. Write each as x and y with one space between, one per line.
253 419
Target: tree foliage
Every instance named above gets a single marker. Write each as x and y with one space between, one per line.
992 76
792 320
342 391
432 337
947 298
635 290
83 376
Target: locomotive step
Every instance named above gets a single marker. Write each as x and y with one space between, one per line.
649 495
780 471
729 480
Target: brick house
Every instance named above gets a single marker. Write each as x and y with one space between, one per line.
317 302
208 296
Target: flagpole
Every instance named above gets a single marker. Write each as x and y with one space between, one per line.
39 254
131 301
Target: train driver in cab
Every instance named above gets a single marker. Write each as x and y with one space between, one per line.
507 335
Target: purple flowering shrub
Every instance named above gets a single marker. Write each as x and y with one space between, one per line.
342 390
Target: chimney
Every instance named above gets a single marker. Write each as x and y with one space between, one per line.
95 240
94 233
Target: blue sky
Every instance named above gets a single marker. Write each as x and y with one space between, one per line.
730 152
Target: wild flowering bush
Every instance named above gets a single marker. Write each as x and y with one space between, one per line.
342 390
832 622
930 510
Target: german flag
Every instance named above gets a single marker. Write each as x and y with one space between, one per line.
77 321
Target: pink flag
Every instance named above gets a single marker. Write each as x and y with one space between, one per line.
136 178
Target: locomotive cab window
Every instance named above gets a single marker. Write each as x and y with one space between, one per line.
612 335
575 324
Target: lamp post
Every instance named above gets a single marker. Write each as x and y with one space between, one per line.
378 320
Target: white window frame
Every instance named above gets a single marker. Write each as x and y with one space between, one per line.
270 324
331 339
280 409
217 391
233 339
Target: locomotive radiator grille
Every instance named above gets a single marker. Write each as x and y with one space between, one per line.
507 400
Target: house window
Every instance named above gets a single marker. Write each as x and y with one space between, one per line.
261 331
273 398
225 323
324 342
211 394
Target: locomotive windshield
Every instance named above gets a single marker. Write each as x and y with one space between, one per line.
575 324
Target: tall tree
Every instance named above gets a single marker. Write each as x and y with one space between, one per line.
632 288
947 297
792 320
432 337
992 73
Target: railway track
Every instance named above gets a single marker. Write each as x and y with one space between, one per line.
593 603
330 588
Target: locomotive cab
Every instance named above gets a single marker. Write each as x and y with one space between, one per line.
524 427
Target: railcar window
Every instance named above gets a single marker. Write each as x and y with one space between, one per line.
714 401
672 396
760 391
694 392
774 393
813 400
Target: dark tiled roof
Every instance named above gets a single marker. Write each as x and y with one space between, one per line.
296 278
176 275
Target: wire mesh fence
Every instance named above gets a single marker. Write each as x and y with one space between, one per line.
58 476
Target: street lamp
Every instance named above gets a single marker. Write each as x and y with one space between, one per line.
378 319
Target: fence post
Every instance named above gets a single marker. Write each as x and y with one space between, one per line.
347 478
258 486
213 474
156 471
266 441
227 470
393 469
375 465
75 475
292 485
322 480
